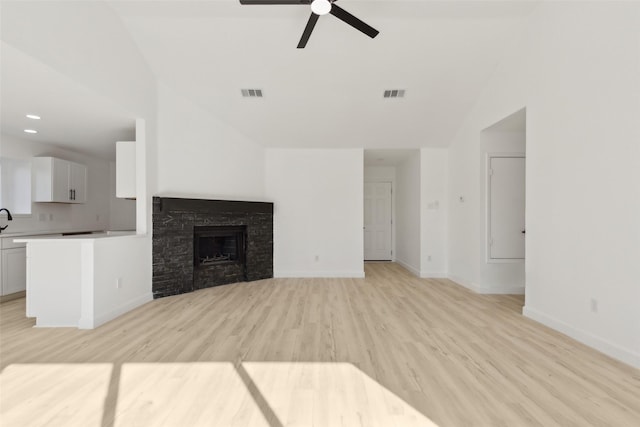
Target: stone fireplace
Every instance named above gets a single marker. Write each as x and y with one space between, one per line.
201 243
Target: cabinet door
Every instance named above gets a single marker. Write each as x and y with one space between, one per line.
50 178
14 270
78 182
60 181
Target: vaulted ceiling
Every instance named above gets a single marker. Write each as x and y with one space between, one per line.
329 94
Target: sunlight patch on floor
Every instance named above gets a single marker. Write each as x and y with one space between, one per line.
53 394
256 394
330 394
185 394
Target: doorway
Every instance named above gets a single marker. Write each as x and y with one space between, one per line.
377 221
503 152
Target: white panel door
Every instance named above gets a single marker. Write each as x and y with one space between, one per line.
377 221
506 207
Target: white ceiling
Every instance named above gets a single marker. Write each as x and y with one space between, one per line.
72 116
327 95
516 122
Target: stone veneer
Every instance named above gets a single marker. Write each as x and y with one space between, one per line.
173 223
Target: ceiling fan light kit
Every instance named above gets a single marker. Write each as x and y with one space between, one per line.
320 7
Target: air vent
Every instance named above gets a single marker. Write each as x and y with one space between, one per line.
252 93
394 93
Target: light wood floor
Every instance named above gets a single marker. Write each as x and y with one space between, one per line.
388 350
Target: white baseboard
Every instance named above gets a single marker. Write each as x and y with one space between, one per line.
118 311
317 274
500 290
433 275
412 269
622 354
464 282
488 290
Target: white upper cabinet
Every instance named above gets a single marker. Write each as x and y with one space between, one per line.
57 180
126 169
78 182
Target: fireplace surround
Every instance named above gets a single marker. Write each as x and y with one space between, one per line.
199 243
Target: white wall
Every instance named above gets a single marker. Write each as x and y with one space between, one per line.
201 157
385 174
408 213
122 212
112 260
92 215
379 174
583 170
318 212
433 207
578 74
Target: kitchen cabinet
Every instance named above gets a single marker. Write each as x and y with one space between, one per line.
13 267
58 180
126 169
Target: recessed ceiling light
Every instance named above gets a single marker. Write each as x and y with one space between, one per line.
33 116
30 131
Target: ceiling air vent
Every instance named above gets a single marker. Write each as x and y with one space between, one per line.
252 93
394 93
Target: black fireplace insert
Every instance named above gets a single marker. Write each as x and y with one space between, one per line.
215 245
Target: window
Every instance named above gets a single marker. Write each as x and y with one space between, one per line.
15 185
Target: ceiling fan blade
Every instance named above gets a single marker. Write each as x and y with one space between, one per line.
345 16
307 30
275 1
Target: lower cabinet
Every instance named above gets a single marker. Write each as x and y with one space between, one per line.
13 267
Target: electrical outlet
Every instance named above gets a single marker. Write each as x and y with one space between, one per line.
317 258
594 305
119 283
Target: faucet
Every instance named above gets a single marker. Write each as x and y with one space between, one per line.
9 218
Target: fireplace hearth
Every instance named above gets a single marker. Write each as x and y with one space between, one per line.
201 243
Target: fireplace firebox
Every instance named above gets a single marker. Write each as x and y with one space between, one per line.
214 245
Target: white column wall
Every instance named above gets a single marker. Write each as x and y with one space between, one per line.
583 170
434 211
318 211
408 213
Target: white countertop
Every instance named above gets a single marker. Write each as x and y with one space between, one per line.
86 236
45 232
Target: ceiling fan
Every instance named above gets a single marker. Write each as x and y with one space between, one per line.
320 7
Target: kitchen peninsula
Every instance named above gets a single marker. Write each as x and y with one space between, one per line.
84 280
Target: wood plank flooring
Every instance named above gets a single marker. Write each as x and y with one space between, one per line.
388 350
